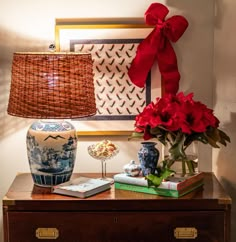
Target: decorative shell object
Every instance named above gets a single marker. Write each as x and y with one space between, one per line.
132 169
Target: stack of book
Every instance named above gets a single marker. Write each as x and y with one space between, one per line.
173 187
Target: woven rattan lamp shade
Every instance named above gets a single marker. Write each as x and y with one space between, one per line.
52 85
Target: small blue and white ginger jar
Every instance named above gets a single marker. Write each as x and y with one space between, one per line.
148 157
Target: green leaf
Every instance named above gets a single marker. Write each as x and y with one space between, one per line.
202 138
159 133
156 131
224 138
214 136
213 133
156 180
195 137
211 141
136 135
177 149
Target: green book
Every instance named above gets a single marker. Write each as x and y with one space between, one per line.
158 191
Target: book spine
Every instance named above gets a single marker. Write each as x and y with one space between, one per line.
144 189
190 181
131 180
143 182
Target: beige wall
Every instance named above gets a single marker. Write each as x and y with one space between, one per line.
29 26
225 96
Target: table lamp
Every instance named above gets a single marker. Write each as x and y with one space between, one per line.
51 87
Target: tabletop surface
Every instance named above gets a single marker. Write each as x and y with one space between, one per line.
23 194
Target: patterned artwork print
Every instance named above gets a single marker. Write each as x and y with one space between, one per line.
116 97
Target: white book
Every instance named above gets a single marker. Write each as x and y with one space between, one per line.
82 187
173 182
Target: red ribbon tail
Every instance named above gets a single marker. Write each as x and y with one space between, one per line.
167 62
143 61
137 73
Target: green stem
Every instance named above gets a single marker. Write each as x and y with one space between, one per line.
190 167
183 168
170 163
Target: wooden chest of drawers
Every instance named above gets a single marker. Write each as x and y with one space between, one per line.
34 214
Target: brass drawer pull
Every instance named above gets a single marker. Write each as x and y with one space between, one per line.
115 220
47 233
185 233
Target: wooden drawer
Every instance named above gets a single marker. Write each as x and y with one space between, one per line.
115 226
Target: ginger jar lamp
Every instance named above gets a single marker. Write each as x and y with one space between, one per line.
51 87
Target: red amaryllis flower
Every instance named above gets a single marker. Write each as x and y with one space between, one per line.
179 115
177 121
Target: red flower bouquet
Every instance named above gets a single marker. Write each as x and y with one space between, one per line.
177 121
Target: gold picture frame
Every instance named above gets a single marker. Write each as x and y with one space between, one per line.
74 34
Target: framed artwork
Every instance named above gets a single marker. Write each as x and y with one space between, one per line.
113 47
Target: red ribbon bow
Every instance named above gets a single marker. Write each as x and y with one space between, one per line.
157 46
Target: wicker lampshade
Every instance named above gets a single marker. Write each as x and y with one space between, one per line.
53 85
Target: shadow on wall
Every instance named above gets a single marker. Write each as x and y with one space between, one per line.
223 163
219 10
232 191
11 42
194 54
226 169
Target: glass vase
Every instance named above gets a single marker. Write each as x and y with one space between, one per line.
186 165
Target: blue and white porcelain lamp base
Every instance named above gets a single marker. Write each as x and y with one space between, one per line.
51 148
